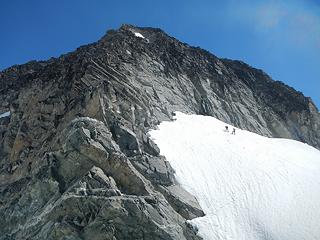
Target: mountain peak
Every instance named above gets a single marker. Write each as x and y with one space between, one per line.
148 33
74 134
129 27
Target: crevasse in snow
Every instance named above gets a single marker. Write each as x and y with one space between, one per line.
249 186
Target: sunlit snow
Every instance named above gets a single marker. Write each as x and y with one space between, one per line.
5 114
250 187
138 35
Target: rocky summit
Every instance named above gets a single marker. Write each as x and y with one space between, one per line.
76 160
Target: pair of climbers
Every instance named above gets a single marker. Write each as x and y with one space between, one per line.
233 130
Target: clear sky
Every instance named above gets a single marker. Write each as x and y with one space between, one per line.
280 37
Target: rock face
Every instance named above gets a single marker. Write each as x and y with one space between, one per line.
76 161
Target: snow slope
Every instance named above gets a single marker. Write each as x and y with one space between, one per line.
249 186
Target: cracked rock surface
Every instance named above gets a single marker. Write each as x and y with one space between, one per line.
76 161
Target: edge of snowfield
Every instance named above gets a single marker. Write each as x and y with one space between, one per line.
249 186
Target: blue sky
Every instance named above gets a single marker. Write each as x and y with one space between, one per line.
280 37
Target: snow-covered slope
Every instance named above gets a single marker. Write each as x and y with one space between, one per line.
249 186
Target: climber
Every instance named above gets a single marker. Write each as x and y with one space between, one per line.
227 129
29 166
9 169
234 131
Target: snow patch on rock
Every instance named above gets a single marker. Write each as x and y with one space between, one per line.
139 35
5 114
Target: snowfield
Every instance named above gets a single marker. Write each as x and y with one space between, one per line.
249 186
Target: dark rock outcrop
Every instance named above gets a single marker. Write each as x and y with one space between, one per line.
76 161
